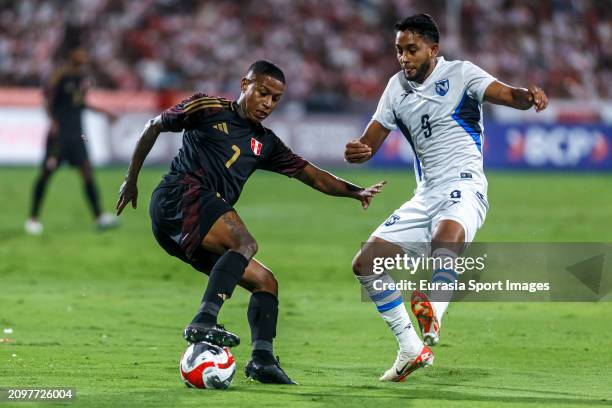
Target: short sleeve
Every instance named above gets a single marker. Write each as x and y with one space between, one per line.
282 160
384 112
185 115
477 80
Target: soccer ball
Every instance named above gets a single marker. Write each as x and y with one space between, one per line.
204 365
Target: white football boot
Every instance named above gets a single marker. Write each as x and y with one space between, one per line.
107 221
33 227
406 363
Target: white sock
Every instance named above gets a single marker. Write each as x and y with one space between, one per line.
390 305
441 299
439 310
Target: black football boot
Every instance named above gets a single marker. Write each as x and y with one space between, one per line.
267 374
216 334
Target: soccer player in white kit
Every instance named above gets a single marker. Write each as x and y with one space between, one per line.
437 105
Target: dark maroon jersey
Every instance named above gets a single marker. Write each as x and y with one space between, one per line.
221 149
66 93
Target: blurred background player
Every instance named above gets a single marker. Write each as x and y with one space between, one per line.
437 105
65 101
192 210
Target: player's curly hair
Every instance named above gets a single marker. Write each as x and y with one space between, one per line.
263 67
422 24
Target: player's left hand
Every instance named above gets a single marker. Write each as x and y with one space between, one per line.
367 194
538 98
128 192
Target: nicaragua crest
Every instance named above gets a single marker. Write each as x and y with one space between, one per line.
392 220
442 87
256 146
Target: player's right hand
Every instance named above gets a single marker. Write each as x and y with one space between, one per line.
357 152
127 192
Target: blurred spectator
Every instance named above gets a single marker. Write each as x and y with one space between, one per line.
332 51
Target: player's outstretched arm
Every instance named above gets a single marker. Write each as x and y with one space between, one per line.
110 115
360 151
128 192
329 184
517 98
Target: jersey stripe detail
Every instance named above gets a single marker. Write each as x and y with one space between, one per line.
467 115
406 132
202 99
197 104
202 105
418 166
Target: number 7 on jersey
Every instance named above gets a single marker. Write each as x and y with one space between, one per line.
234 157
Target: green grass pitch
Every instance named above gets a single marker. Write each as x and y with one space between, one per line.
103 312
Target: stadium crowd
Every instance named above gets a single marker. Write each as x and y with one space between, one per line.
330 50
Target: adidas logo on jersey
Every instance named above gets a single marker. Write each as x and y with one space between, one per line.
222 127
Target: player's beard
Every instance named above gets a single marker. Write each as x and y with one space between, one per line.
419 76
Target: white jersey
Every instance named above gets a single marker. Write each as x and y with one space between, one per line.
441 119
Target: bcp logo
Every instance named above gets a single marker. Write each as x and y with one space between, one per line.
558 146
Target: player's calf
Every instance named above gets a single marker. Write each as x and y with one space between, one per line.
380 288
262 312
224 276
230 237
448 241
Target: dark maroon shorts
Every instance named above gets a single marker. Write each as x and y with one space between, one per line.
181 216
66 148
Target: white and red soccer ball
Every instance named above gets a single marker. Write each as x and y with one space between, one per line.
204 365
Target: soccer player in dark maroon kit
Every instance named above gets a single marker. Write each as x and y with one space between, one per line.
65 100
192 210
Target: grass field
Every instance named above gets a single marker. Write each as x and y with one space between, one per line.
103 312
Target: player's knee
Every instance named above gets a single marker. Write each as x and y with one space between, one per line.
247 246
448 232
273 285
50 166
250 249
357 265
268 283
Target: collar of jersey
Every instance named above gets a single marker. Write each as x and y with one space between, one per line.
236 108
